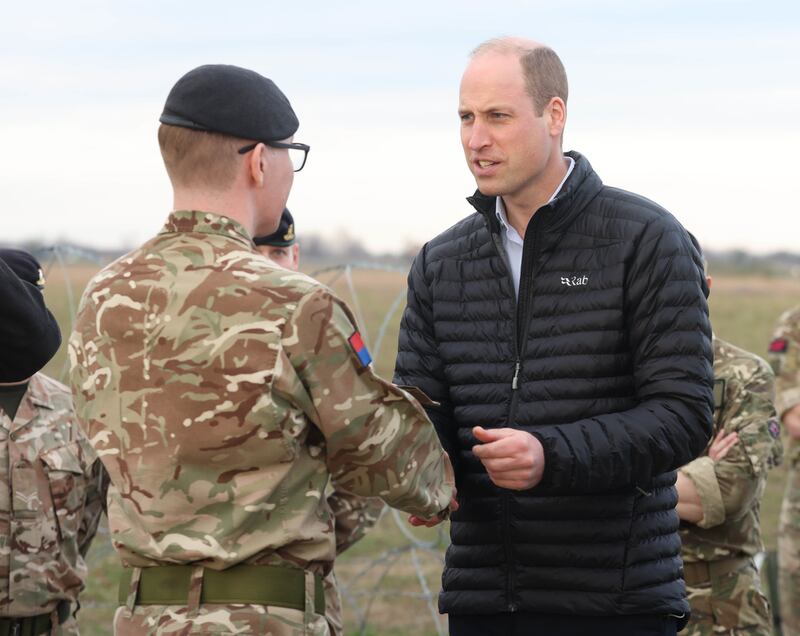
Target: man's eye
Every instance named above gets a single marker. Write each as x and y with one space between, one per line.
466 116
496 115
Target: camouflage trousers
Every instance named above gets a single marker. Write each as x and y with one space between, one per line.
160 620
732 604
789 554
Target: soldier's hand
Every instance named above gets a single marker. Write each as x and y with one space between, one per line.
722 444
514 459
414 520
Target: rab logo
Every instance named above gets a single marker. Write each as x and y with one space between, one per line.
574 281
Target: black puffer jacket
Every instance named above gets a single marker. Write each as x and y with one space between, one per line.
606 358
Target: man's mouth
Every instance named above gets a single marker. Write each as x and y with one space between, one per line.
485 163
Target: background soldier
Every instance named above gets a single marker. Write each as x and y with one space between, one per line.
353 516
784 354
720 494
51 485
223 393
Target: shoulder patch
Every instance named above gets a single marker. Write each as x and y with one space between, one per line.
779 345
360 349
774 429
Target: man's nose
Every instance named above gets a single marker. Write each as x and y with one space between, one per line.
478 136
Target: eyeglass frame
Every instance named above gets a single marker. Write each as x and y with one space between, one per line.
279 144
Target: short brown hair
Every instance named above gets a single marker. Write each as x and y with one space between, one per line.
544 73
198 159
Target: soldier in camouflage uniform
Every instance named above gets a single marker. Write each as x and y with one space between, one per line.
51 486
224 393
353 516
784 354
719 497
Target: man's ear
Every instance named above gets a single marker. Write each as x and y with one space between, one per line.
258 164
556 110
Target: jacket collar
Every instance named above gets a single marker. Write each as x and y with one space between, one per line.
35 398
580 188
198 222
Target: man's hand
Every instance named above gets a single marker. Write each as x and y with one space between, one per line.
722 444
414 520
791 421
514 459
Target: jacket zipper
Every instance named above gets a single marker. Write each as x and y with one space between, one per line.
522 307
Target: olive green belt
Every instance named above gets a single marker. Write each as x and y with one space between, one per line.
33 625
703 572
249 584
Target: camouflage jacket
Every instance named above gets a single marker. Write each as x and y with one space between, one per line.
784 356
222 393
730 489
51 500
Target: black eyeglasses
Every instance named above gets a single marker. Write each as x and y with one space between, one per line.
298 153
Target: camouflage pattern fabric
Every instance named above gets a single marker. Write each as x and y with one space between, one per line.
730 492
733 604
354 516
784 355
52 492
222 393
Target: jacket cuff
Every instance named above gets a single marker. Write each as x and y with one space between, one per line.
704 477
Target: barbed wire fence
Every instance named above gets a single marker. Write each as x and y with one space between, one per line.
367 580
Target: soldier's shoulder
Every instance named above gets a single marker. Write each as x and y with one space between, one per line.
730 360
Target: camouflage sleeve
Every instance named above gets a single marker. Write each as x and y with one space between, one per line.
784 356
379 440
354 516
94 506
729 487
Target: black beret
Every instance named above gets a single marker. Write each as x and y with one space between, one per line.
29 334
284 236
24 265
230 100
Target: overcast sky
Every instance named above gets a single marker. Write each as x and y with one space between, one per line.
695 105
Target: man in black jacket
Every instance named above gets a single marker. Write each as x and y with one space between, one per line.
563 330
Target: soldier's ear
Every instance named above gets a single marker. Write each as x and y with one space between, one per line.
257 164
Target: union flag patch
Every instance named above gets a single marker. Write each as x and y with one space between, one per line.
360 349
779 345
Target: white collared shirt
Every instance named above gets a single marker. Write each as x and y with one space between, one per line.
512 241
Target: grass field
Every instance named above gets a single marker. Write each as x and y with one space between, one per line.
743 310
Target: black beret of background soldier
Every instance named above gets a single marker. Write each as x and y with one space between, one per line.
281 246
284 236
29 333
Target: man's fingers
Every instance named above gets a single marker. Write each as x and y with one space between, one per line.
505 446
491 434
